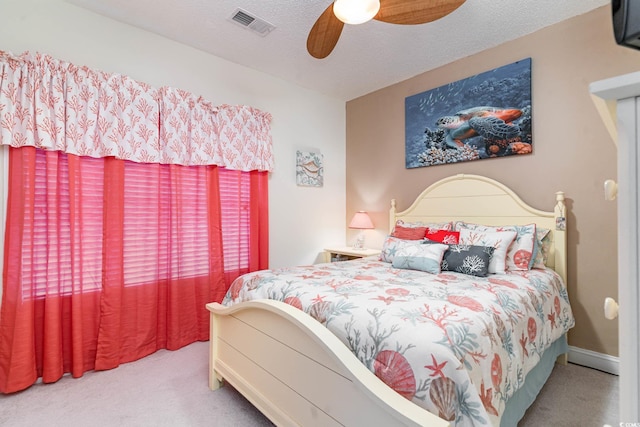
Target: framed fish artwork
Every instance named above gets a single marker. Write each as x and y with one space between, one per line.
483 116
309 169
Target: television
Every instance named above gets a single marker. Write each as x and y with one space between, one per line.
626 22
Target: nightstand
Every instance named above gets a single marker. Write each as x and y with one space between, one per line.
346 253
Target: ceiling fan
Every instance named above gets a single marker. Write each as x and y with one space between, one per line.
325 33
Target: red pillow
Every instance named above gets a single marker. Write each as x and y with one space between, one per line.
409 233
443 236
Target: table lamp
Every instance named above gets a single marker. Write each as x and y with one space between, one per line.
360 221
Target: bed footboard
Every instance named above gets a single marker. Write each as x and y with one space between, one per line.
297 373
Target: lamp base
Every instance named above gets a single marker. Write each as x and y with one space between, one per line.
359 243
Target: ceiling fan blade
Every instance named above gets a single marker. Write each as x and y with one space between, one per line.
324 34
410 12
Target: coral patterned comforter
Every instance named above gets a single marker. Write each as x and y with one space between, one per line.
454 344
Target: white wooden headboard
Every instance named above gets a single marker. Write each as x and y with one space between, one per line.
481 200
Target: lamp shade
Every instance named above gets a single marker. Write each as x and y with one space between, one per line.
361 220
355 11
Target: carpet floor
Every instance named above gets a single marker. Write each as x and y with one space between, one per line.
169 388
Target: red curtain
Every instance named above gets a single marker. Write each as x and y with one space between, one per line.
107 261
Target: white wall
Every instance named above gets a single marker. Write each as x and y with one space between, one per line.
302 219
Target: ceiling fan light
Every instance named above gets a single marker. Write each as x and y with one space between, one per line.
356 11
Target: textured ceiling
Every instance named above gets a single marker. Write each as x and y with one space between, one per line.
368 56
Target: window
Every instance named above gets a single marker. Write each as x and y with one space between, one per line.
235 197
165 222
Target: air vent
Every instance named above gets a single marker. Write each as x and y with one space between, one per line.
251 22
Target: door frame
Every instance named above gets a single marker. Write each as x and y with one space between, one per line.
628 118
622 97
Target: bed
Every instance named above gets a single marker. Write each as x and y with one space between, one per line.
304 358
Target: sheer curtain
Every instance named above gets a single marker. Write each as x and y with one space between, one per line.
129 208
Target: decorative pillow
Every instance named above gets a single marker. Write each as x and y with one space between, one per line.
429 225
541 249
499 240
521 251
420 257
468 259
392 245
443 236
409 233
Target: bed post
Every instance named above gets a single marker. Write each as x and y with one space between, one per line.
215 381
560 236
560 242
392 215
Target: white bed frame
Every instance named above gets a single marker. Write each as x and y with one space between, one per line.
298 373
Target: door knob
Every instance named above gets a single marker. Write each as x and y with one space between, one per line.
610 308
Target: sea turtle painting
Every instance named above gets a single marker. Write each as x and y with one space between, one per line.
484 116
489 122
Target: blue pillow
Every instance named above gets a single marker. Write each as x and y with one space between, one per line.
420 257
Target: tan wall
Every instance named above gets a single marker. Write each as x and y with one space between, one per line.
572 152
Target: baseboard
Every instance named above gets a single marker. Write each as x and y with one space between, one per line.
595 360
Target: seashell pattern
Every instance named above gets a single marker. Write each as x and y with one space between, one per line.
321 273
394 370
364 277
443 395
235 288
294 301
311 168
320 310
500 326
502 282
465 302
401 292
445 276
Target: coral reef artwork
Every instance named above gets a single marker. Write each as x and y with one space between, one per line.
309 169
483 116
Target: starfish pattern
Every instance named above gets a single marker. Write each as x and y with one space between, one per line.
436 368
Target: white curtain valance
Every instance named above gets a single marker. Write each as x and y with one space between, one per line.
55 105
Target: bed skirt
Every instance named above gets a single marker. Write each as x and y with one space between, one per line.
534 381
